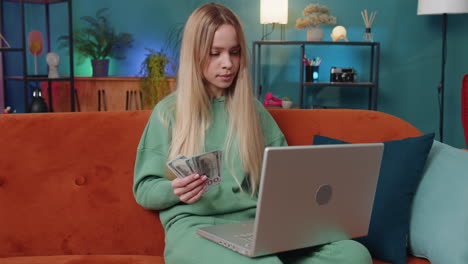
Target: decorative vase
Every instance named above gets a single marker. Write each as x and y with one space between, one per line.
100 68
314 34
38 104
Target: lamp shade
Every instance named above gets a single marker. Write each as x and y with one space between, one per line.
434 7
273 11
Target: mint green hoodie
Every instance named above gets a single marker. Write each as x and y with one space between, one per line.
153 191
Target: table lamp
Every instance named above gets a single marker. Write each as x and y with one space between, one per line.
273 12
442 7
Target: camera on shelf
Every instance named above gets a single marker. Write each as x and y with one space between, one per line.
341 74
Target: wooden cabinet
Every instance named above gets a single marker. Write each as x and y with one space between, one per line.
114 93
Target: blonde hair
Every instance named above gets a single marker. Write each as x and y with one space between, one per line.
193 103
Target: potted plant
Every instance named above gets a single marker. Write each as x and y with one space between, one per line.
286 102
313 16
154 85
98 41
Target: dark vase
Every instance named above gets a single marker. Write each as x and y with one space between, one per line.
38 104
100 68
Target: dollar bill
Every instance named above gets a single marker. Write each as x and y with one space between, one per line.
179 166
209 164
191 165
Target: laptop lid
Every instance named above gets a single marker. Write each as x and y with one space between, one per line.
311 195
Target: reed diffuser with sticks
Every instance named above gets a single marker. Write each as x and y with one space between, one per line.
368 20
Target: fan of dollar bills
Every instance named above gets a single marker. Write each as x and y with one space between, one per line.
208 163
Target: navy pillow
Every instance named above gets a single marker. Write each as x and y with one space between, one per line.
400 173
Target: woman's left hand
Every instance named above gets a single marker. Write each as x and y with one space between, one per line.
190 188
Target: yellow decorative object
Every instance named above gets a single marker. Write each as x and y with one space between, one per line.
338 33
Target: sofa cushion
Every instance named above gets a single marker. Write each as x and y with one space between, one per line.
85 259
402 165
440 206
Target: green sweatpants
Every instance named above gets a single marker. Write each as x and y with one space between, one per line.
184 246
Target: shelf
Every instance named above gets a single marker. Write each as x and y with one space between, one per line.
110 78
373 72
328 43
10 49
22 8
327 107
39 1
341 84
280 107
36 78
76 78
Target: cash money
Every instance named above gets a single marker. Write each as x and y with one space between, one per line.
208 164
179 166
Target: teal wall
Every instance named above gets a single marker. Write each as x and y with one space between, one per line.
410 62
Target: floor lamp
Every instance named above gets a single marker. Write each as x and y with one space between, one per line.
442 7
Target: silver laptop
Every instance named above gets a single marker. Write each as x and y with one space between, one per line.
308 196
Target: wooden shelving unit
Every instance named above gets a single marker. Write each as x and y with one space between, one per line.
372 85
22 48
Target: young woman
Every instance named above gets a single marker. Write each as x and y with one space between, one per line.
213 109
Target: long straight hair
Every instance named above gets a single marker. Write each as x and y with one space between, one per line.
193 103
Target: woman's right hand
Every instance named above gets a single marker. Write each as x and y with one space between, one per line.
190 188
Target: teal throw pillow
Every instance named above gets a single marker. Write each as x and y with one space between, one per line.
400 173
439 218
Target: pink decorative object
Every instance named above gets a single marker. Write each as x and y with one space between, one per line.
36 43
270 100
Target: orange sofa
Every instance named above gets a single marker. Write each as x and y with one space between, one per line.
66 181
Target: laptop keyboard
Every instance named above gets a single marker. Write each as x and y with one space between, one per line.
248 237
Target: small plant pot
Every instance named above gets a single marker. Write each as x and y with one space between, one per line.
100 68
286 104
314 34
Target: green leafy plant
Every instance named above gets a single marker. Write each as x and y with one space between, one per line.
98 40
286 99
154 85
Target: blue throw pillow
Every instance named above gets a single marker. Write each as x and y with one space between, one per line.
400 173
439 218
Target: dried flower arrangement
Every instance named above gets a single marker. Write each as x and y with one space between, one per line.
314 15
